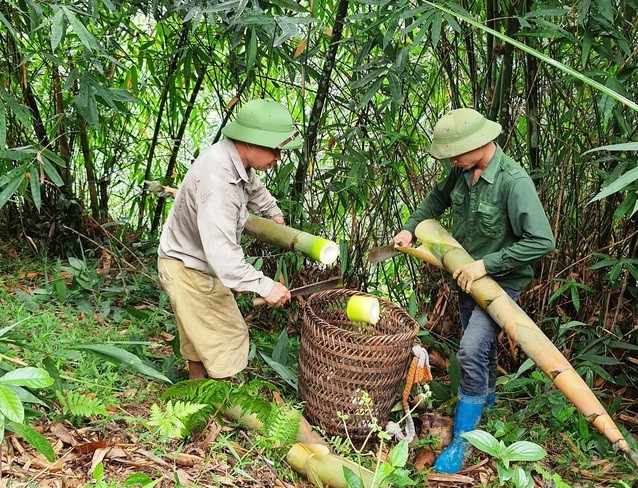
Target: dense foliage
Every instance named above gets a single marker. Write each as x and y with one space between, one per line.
97 96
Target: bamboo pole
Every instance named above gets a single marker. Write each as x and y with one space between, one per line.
440 249
314 247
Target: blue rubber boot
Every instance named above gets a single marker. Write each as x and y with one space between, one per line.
468 413
490 399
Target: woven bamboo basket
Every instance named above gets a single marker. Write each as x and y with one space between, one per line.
341 359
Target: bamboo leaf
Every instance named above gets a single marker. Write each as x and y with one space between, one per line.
57 29
251 49
86 38
18 109
3 126
33 437
49 169
571 72
286 373
618 185
280 351
34 184
9 27
11 182
627 146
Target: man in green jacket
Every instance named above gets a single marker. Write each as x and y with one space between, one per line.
499 220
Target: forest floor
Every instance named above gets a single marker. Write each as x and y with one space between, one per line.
119 450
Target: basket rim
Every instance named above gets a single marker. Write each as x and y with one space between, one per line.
323 325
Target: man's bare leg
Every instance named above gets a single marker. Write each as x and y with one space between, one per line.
196 370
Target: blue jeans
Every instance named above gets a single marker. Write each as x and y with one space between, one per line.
477 352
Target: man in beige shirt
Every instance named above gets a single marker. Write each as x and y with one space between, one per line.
200 255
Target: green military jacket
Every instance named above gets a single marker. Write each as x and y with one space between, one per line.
498 219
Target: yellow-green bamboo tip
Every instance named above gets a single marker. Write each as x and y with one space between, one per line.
361 308
323 468
316 248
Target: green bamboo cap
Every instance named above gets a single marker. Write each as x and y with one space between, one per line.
264 123
460 131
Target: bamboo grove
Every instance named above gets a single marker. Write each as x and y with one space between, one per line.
97 96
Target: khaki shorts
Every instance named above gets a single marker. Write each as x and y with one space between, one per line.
211 328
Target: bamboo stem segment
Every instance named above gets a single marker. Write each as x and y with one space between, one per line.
362 308
311 246
442 250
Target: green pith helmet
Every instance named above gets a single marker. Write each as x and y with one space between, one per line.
264 123
460 131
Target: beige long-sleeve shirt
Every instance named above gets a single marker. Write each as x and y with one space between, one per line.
205 224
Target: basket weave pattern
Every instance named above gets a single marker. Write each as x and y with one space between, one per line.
340 359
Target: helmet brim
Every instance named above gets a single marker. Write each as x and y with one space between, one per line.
261 137
445 150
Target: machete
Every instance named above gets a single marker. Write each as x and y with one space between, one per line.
383 253
329 284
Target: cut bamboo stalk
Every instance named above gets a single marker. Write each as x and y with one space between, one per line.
311 455
324 468
440 249
264 230
362 308
280 235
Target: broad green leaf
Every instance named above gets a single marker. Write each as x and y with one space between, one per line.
524 451
286 373
30 377
10 405
521 479
37 440
399 454
352 480
124 358
138 479
484 441
26 396
280 351
86 38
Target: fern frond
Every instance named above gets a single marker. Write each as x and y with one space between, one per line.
171 421
78 405
281 424
204 391
281 428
